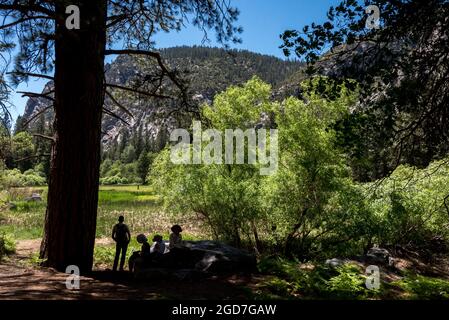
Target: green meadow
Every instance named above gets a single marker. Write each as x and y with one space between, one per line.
24 220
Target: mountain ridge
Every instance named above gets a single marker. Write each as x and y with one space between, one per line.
207 70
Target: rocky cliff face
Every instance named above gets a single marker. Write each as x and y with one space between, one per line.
206 72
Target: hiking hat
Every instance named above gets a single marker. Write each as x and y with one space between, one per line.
176 227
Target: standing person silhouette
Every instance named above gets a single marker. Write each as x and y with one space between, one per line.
121 236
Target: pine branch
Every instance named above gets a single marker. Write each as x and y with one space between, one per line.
119 104
19 21
33 157
112 114
36 95
31 75
148 94
154 55
37 115
25 8
44 137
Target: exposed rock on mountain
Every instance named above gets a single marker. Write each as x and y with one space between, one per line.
206 72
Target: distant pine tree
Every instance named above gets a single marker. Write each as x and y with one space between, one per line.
20 126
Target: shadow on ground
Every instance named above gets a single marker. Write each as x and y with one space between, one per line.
33 283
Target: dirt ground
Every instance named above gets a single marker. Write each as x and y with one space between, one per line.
21 280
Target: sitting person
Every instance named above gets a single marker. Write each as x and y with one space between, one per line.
159 245
141 257
157 251
175 237
179 255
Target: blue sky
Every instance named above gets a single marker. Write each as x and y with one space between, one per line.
262 20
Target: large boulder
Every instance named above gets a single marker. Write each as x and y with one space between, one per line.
198 259
218 257
378 255
34 197
335 262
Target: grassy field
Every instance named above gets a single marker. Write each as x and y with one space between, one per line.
139 205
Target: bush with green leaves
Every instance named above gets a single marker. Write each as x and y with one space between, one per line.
17 150
113 180
293 280
15 178
310 204
348 284
316 282
226 196
312 200
424 288
7 245
117 172
410 205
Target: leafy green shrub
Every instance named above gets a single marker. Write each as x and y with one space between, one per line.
280 267
14 178
225 196
113 180
317 282
410 205
421 287
309 200
279 287
35 259
311 283
348 284
113 173
27 206
7 245
104 255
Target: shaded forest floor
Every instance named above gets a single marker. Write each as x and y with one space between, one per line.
21 279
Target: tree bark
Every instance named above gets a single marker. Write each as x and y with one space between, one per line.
70 222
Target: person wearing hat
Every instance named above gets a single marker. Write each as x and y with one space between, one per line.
180 255
175 237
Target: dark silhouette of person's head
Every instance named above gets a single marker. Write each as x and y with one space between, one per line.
157 238
176 229
141 238
121 219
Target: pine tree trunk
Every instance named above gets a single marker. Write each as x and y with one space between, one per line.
70 222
